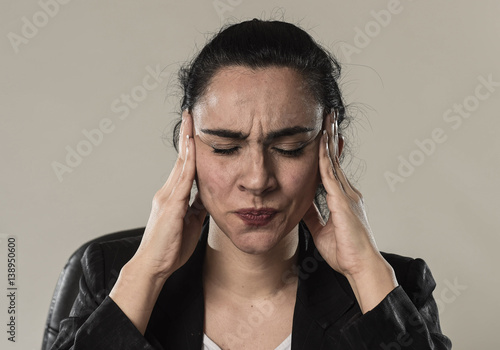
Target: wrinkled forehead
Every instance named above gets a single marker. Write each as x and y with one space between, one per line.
252 99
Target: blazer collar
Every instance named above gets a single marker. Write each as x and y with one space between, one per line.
178 317
323 298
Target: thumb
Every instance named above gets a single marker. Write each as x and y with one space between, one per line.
313 219
195 215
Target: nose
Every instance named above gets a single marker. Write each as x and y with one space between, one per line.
257 174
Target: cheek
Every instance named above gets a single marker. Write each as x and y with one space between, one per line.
214 177
302 176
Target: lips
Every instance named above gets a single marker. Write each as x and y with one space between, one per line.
256 217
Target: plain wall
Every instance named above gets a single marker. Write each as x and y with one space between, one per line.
406 77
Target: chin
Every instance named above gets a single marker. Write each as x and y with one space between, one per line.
254 239
259 240
256 242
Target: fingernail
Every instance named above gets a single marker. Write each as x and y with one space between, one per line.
182 125
325 139
187 143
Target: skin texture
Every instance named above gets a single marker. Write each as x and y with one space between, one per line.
256 174
244 264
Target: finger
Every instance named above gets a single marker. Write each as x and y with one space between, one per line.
334 156
179 183
195 215
198 203
327 171
346 185
354 188
182 189
313 219
336 138
333 131
186 129
331 126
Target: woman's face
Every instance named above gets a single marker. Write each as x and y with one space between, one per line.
256 136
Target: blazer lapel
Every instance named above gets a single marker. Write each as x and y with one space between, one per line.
324 302
178 317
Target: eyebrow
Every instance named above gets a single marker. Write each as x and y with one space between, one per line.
225 133
288 132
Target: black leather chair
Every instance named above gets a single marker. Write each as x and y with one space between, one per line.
68 285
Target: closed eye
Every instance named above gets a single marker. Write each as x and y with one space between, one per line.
290 152
225 151
286 152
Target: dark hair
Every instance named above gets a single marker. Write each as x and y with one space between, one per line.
260 44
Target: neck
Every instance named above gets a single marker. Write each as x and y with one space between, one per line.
249 276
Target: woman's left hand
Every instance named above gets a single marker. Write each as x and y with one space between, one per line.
345 241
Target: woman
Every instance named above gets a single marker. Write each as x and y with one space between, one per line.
260 137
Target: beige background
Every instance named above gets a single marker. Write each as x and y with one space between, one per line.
428 57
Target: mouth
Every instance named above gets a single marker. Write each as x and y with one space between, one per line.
256 217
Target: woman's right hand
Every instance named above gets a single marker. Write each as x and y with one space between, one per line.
174 227
171 235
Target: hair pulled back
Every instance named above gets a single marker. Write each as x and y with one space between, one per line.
260 44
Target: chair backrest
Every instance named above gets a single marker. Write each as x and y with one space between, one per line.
67 286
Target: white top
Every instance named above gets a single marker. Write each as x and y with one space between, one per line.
208 344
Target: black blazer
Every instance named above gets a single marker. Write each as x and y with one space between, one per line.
326 314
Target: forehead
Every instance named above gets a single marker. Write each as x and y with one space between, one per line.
241 97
